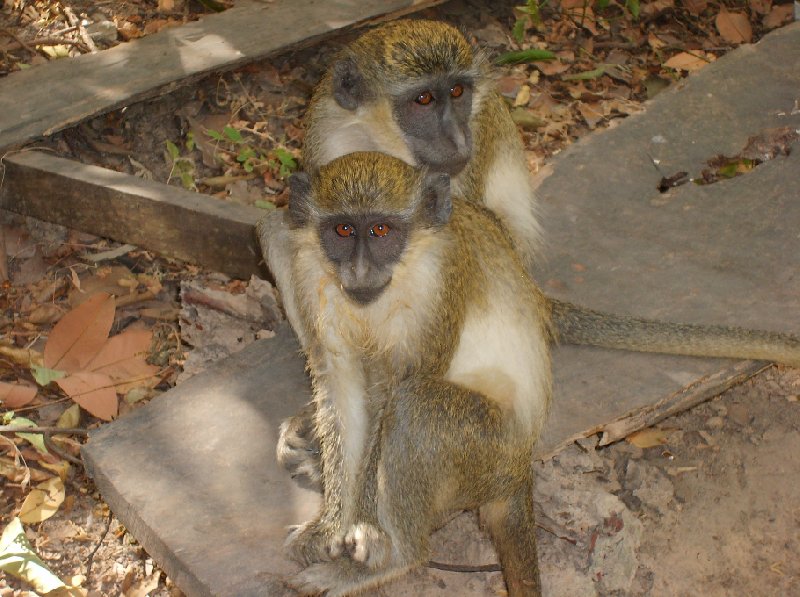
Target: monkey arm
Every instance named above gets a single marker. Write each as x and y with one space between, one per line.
274 236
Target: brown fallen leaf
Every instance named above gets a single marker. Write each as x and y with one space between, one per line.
734 27
696 7
80 334
122 359
688 62
15 395
93 391
778 16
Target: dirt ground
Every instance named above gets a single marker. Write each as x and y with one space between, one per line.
710 509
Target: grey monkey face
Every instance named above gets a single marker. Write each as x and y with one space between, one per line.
364 249
434 116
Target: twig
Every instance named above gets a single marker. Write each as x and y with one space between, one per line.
65 430
464 567
75 22
90 559
19 40
52 446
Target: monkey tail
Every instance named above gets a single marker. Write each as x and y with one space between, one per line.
577 325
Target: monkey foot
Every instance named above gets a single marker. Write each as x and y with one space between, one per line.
341 577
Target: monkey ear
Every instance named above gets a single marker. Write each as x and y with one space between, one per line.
437 201
299 198
348 84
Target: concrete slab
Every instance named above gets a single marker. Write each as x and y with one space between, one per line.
726 253
193 475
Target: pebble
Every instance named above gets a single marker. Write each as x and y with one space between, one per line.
715 423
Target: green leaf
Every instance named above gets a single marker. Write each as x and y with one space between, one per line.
633 7
217 136
524 56
245 154
232 134
190 144
586 75
260 203
602 3
35 439
17 558
518 32
285 158
44 376
173 150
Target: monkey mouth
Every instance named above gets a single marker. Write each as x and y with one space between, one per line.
366 294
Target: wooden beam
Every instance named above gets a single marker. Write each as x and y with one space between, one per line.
43 100
169 220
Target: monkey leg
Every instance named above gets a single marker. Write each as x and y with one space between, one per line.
511 526
472 454
442 448
298 447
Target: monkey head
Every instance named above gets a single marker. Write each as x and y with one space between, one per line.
364 207
427 73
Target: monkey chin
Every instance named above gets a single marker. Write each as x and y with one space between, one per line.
365 295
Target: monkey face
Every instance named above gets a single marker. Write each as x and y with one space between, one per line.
364 250
434 116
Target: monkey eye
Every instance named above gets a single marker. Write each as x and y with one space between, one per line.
457 90
424 98
345 230
379 230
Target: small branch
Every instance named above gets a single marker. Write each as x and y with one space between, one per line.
65 430
75 22
51 445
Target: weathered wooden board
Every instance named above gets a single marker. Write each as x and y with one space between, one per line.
194 478
50 97
172 221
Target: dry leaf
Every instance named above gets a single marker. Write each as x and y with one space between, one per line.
46 313
734 27
778 16
70 418
761 6
648 438
654 41
122 359
696 7
592 113
93 391
41 503
80 334
686 61
15 395
523 96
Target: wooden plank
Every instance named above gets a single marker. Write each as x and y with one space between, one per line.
174 222
194 477
42 100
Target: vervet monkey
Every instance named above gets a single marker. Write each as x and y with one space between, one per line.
427 344
417 90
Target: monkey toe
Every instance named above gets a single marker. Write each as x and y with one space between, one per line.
368 545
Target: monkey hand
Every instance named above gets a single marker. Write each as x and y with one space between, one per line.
298 447
313 541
